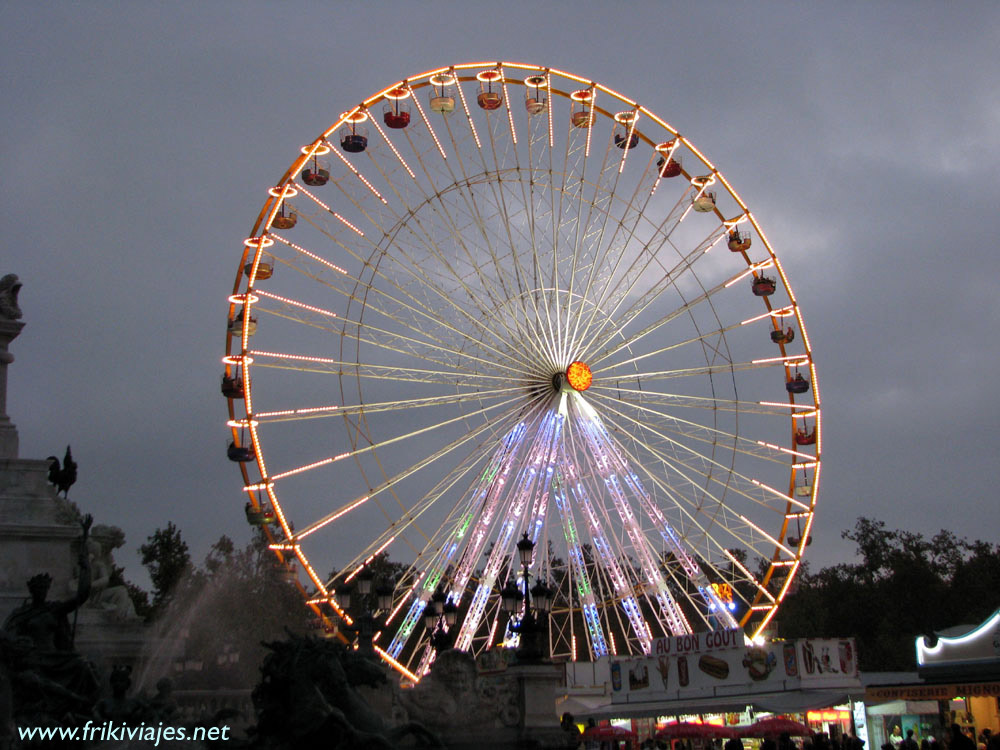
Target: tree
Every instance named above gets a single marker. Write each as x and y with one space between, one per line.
167 559
903 586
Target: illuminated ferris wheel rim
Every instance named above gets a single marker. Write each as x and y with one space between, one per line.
321 145
261 238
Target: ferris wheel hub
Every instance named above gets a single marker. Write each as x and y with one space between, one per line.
578 376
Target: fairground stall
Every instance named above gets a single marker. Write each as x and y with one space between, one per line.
957 681
716 679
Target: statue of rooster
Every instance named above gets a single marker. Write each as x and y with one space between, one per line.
63 478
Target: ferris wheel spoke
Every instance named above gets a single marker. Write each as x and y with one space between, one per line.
747 487
631 215
409 313
647 301
723 518
626 496
373 446
712 436
414 269
590 231
668 490
366 370
458 519
517 502
427 349
401 405
482 281
587 495
672 400
410 470
680 462
658 375
703 338
604 333
509 223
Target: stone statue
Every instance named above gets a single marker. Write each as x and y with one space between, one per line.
307 697
453 689
118 706
105 595
38 657
162 706
9 287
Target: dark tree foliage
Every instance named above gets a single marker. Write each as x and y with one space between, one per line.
239 598
166 557
904 585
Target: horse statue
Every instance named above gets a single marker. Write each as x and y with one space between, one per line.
307 697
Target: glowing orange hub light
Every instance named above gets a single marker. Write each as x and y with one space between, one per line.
578 376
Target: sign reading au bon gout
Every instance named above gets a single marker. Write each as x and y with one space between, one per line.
721 662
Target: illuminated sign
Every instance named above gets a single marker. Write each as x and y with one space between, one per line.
724 591
828 715
693 643
933 692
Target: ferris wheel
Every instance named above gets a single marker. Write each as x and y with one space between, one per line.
498 302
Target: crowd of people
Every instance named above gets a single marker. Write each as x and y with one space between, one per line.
954 739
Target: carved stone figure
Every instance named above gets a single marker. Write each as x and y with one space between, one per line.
109 597
48 677
162 706
118 706
307 697
453 689
9 287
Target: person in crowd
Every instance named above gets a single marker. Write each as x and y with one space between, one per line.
896 736
909 743
959 740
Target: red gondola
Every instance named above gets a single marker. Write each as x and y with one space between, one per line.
488 98
395 113
763 286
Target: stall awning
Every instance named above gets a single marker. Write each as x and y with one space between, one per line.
792 701
931 692
898 708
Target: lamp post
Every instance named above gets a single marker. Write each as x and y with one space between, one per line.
361 609
439 617
534 623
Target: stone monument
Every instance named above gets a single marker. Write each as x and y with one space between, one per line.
40 533
488 704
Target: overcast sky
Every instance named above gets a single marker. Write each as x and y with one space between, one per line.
138 140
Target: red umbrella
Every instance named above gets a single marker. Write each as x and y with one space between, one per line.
684 729
607 733
774 726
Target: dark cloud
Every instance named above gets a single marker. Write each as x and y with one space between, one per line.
139 140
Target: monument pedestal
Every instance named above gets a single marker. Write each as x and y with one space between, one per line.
503 709
37 530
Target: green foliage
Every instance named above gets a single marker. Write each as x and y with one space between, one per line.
167 559
903 586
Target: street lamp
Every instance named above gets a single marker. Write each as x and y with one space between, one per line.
534 623
360 606
439 617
